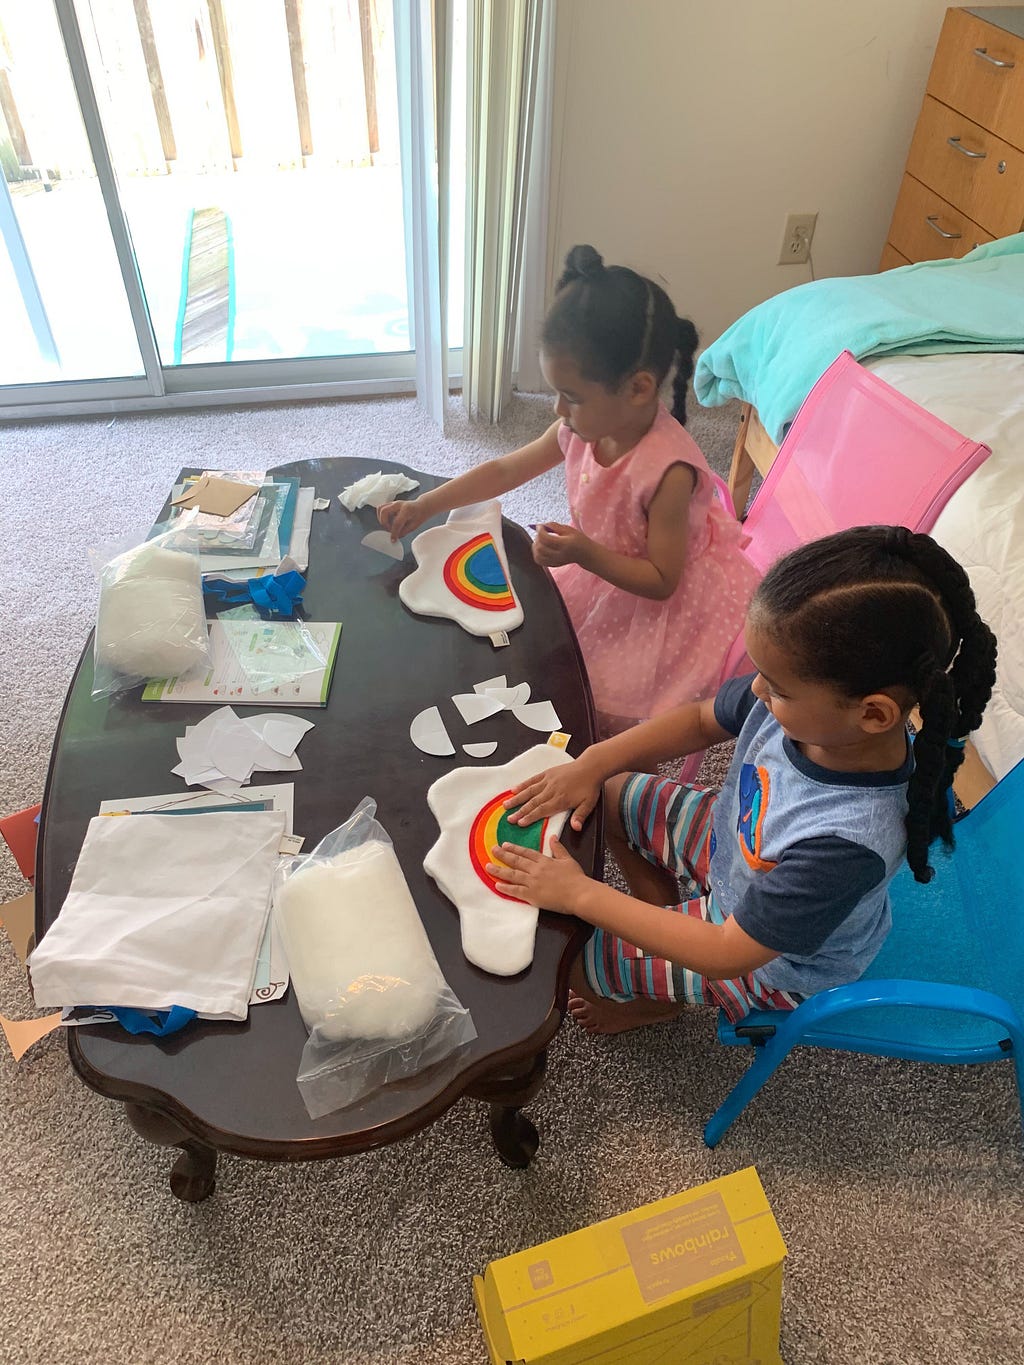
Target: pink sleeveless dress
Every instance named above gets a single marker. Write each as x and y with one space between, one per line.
644 657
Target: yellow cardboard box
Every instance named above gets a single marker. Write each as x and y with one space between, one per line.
695 1279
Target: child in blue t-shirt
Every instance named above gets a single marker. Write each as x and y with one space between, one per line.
823 799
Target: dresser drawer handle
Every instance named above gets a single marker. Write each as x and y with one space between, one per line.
933 222
982 52
958 146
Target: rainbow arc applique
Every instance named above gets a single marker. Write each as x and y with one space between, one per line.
475 575
468 804
462 573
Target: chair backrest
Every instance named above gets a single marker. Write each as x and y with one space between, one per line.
964 928
858 453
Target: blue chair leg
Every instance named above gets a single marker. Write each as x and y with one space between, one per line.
767 1059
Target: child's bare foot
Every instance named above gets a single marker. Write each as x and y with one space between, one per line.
609 1016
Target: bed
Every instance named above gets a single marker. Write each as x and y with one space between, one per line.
972 377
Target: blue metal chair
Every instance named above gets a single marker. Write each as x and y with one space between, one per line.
948 984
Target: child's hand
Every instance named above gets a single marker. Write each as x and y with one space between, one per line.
570 787
403 517
557 544
556 883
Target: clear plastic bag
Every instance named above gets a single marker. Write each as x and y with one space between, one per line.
150 622
376 1004
272 654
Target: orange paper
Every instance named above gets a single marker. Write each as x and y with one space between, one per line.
22 1033
19 919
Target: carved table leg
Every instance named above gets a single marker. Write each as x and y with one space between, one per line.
514 1136
194 1174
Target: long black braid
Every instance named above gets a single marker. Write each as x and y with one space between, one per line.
879 608
613 323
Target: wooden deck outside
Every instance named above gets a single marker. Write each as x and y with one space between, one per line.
208 85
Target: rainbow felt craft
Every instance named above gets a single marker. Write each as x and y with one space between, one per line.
498 931
462 573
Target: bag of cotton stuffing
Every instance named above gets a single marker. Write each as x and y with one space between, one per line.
151 622
368 986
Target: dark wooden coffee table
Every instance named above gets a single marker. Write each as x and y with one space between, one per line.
219 1087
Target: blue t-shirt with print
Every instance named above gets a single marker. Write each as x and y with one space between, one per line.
802 856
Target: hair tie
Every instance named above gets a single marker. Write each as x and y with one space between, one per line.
955 743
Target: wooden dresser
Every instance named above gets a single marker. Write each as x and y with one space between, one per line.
964 178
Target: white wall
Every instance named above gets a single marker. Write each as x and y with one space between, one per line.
684 131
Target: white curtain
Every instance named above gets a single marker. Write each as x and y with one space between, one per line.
504 47
425 187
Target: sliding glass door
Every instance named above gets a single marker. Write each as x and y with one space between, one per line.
203 196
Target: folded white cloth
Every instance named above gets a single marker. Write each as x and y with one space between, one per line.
163 910
374 490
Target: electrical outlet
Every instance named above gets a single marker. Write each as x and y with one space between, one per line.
796 241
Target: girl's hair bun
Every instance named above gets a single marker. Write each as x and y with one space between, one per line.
582 263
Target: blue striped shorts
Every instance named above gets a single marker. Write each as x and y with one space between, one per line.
670 825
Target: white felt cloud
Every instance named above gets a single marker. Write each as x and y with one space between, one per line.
462 573
468 804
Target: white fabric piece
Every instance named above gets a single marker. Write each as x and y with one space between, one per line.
490 684
381 542
429 591
360 959
982 526
151 622
163 910
374 490
497 932
483 750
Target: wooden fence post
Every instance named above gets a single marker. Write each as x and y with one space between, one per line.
144 22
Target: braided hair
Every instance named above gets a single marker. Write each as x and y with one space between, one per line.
877 608
614 323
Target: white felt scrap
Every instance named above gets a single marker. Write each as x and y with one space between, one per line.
497 932
538 715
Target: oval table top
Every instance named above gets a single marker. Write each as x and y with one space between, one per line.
232 1085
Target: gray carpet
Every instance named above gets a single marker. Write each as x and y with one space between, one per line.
897 1187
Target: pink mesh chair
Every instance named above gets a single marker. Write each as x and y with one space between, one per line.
857 454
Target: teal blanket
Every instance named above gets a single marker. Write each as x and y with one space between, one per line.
773 355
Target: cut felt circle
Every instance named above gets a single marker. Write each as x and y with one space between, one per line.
483 750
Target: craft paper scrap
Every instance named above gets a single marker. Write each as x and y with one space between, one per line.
427 732
19 919
220 497
483 750
489 684
474 706
22 1033
374 490
462 573
468 804
511 696
538 715
224 750
382 542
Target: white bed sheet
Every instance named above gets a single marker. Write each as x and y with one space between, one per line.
982 525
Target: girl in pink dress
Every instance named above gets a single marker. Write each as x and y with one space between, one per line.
650 567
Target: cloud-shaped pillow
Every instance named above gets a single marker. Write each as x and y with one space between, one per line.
462 573
468 803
